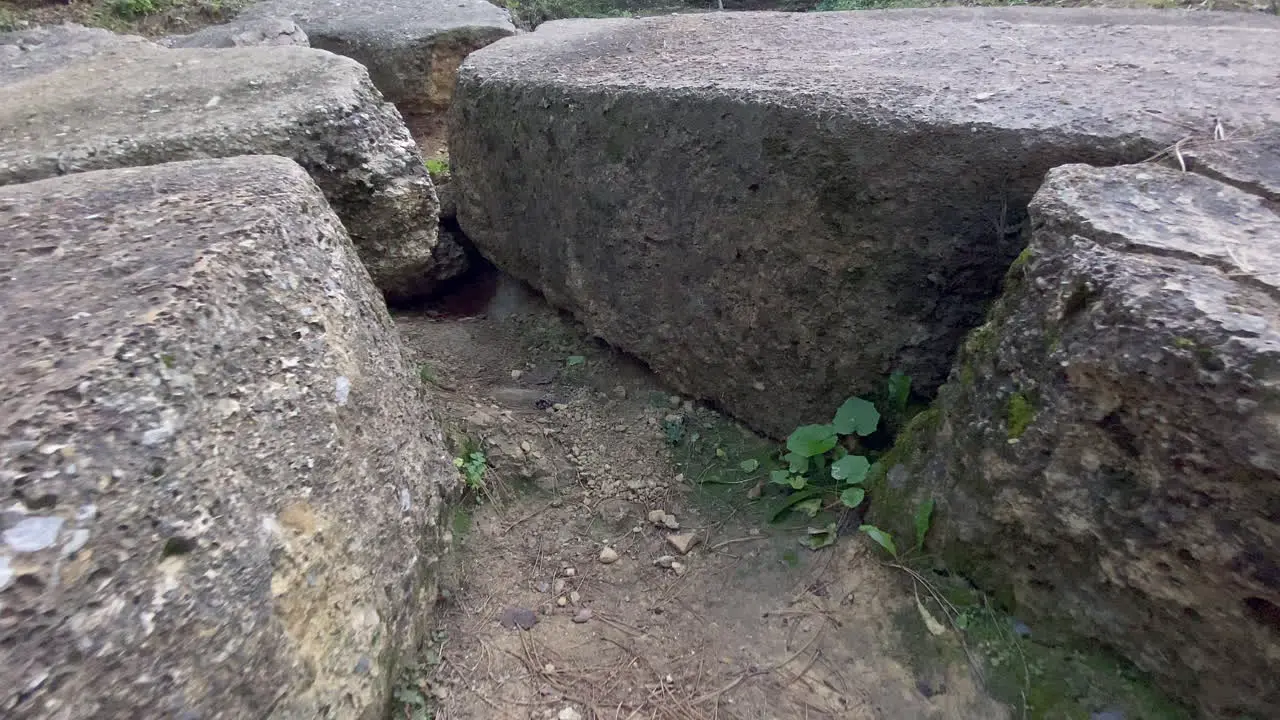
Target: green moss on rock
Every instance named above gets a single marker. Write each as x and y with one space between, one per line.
892 508
1021 414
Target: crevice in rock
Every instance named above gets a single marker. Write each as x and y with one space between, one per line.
468 294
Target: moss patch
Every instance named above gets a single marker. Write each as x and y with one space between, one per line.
1017 271
1040 681
892 508
1020 415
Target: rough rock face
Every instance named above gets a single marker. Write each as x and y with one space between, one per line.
222 484
411 47
147 105
1106 454
776 229
27 53
244 32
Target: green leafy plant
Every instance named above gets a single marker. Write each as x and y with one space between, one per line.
922 519
473 466
437 167
818 465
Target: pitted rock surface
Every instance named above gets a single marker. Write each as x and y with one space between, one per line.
244 32
222 483
27 53
1105 453
149 105
775 211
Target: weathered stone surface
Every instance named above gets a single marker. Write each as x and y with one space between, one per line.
777 210
1106 453
39 50
411 47
244 32
222 483
151 105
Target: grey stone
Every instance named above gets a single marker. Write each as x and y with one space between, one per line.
518 618
244 32
448 204
252 558
411 47
147 105
33 534
1105 454
741 214
449 257
38 50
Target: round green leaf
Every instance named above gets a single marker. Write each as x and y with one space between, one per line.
853 497
749 465
851 469
780 477
798 463
810 440
856 416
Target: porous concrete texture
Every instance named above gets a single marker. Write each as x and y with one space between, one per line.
222 483
775 211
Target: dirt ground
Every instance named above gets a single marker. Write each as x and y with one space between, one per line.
748 624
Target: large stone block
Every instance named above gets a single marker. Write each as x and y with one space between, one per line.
411 47
221 481
1106 456
136 103
775 211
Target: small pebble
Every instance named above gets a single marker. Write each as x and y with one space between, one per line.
608 556
569 572
562 601
569 714
575 597
656 516
582 615
665 561
558 587
683 542
516 617
670 522
515 374
678 567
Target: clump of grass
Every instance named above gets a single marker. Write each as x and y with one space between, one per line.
135 9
